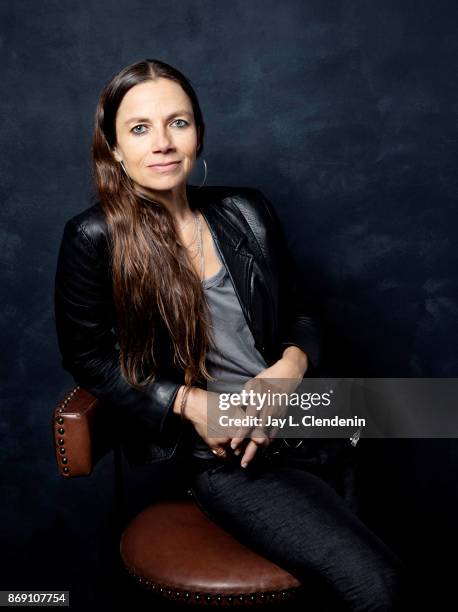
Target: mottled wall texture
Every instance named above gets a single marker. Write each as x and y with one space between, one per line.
345 114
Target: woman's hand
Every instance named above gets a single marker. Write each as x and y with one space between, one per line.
205 420
287 373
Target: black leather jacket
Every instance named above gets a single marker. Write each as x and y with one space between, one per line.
250 241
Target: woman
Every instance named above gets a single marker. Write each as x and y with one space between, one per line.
161 288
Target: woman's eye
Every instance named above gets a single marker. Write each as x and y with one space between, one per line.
182 123
134 129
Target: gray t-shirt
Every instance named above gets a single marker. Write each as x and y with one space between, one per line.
235 359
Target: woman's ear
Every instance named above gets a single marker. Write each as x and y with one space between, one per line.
116 155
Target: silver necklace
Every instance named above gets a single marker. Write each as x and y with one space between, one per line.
188 221
195 234
199 244
200 248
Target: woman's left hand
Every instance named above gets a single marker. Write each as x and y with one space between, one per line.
287 374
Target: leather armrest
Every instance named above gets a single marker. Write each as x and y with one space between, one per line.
82 431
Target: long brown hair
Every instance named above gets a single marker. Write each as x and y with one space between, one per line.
154 285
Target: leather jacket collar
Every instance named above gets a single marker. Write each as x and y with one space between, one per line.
243 259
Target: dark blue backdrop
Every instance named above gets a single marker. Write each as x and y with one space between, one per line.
345 114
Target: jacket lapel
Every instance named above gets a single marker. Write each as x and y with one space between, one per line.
244 265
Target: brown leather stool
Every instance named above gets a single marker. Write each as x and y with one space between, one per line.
175 550
171 547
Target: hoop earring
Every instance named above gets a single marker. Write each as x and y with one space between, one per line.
205 177
124 168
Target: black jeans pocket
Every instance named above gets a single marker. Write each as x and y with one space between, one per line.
216 469
213 475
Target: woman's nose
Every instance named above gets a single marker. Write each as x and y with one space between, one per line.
162 141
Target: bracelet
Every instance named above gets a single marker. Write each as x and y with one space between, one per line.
184 397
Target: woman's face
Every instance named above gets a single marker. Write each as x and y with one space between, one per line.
155 126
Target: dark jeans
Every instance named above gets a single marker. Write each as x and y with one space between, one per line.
299 521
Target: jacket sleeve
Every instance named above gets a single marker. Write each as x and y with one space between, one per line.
88 345
299 325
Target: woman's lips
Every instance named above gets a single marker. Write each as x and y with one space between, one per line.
161 169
